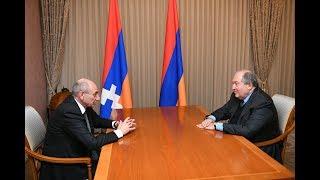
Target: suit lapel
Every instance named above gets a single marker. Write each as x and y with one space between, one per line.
71 100
248 103
235 110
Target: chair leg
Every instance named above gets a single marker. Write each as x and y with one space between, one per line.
31 168
283 150
89 172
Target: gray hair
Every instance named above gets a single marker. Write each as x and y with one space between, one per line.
249 77
79 86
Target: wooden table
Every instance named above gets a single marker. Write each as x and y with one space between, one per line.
168 145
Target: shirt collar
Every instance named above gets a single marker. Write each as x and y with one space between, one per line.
82 109
247 98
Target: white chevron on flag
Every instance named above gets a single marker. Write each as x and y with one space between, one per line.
111 95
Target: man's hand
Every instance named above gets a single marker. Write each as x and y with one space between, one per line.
210 127
127 125
205 123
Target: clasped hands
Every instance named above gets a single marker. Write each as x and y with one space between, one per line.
126 125
206 124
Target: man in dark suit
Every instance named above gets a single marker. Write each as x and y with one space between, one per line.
70 133
250 113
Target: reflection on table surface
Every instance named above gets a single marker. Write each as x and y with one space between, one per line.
168 145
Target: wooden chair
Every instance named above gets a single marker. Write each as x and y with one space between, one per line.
57 99
35 131
286 114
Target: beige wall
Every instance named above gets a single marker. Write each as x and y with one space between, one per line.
35 84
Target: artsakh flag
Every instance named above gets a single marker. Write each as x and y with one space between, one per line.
116 92
172 81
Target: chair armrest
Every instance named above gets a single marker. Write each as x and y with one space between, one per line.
40 157
276 139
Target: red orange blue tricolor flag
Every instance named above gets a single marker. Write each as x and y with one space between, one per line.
116 92
172 80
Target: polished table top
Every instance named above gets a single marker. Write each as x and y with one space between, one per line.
168 145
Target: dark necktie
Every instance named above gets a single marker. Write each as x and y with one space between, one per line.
87 121
94 154
241 103
235 117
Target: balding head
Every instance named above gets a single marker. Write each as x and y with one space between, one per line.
243 82
85 87
248 77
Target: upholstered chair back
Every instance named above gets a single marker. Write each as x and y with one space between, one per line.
285 107
35 129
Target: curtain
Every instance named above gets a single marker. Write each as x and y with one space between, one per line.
54 20
265 20
215 38
282 75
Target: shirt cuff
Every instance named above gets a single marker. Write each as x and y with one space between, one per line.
219 126
118 133
211 117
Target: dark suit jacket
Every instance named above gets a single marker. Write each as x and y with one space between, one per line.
258 120
68 136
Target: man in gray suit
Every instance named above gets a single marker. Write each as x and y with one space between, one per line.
250 113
